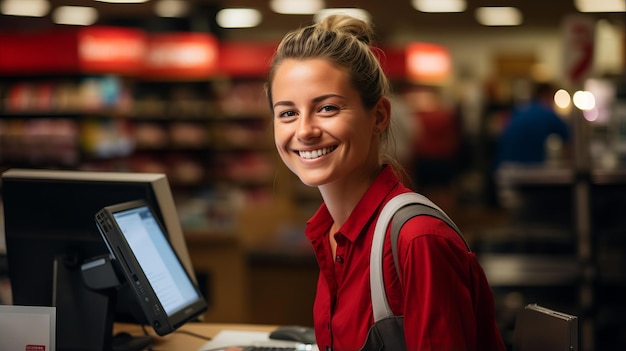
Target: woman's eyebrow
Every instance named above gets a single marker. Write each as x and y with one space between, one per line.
283 103
315 100
326 96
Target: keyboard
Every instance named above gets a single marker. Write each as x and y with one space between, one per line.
252 341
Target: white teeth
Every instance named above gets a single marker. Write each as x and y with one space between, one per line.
315 153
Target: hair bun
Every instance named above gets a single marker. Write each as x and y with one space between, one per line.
351 25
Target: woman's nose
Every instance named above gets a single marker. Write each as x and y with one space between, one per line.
307 128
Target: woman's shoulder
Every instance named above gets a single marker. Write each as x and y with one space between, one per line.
431 231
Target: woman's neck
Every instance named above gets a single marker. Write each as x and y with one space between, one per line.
341 197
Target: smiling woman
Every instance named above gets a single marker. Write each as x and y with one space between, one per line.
332 128
325 139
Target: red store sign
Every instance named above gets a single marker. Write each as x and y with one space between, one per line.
96 49
181 55
111 49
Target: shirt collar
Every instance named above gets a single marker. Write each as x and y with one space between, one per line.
363 213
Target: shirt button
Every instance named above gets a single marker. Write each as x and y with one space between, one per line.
339 259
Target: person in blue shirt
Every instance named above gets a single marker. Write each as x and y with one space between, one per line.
523 141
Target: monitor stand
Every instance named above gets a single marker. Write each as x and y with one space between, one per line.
126 342
85 295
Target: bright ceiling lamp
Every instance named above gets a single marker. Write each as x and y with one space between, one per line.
499 16
238 18
29 8
297 7
124 1
439 5
562 99
584 100
600 5
354 12
75 15
171 8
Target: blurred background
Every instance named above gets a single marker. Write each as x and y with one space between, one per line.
176 87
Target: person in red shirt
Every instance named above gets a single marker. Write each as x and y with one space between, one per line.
333 129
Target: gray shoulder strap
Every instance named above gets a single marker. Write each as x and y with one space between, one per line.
420 206
417 209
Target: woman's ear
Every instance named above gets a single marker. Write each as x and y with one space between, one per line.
382 112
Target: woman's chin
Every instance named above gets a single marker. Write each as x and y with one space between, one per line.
308 183
312 181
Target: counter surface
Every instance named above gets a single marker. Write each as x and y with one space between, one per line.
189 337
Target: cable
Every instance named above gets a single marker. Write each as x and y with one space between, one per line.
200 336
145 331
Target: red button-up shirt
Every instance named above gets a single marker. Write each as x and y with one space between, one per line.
443 294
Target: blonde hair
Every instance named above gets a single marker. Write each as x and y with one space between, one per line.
347 42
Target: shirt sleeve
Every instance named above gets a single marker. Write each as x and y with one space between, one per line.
436 279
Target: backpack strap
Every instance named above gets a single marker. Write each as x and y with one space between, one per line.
417 209
400 208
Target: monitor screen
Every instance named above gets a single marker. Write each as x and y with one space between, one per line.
50 232
141 253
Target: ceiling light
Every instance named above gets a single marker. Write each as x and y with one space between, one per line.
498 16
439 5
297 7
600 5
75 15
171 8
562 99
238 18
30 8
584 100
354 12
123 1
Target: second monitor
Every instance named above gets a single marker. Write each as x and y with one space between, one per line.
50 231
140 252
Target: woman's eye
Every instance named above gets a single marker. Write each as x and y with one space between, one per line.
286 114
328 108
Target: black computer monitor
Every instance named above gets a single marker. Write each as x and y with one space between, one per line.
141 255
50 232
